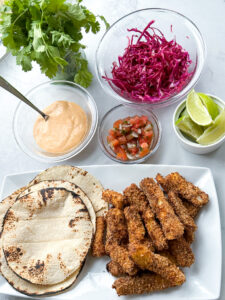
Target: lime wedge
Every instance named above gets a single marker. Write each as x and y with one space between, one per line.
184 112
214 132
187 126
197 110
211 106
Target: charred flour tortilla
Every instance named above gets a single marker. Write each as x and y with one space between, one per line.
69 187
31 289
46 235
6 203
88 183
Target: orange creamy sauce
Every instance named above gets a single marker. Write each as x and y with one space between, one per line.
64 130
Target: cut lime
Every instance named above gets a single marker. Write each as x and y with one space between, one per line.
211 106
214 132
187 126
197 110
184 112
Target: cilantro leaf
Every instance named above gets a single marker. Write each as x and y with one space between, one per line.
45 31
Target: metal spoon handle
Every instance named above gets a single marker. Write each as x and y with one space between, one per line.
8 87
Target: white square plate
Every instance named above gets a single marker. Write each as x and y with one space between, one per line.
203 279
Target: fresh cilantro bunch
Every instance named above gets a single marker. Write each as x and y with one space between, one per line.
45 31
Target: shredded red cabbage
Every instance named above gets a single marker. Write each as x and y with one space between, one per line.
151 68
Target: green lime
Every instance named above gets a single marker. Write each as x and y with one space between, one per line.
191 129
184 112
211 106
197 110
214 132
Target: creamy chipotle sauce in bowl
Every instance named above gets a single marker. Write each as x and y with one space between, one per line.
64 130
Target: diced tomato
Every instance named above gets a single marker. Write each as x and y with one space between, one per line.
144 145
148 134
110 139
122 140
112 133
120 153
133 120
142 140
144 152
144 119
134 139
115 143
133 151
129 137
117 124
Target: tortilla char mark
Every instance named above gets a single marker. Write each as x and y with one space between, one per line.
83 210
72 222
37 270
13 254
46 194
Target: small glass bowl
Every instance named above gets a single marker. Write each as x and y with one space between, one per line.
42 96
121 112
115 40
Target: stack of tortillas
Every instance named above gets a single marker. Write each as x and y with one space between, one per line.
47 230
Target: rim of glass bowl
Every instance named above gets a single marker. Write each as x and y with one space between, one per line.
135 106
74 152
169 101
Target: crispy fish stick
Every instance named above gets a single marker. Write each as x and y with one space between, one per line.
167 254
171 225
147 260
140 284
136 230
115 269
116 229
154 230
192 210
182 252
186 189
120 255
136 197
161 181
181 211
114 198
189 235
98 247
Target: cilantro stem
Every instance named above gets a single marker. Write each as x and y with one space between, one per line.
19 16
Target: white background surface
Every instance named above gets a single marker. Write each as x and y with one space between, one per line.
209 17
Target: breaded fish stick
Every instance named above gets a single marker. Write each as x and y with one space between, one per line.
192 210
140 284
161 181
120 255
116 229
115 269
114 198
98 247
186 189
189 235
182 252
171 225
147 260
181 211
136 230
136 197
167 254
154 230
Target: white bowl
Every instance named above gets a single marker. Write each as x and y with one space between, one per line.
188 144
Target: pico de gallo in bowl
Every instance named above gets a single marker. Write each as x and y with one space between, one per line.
129 134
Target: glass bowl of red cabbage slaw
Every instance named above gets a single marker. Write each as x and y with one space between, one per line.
151 56
121 112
